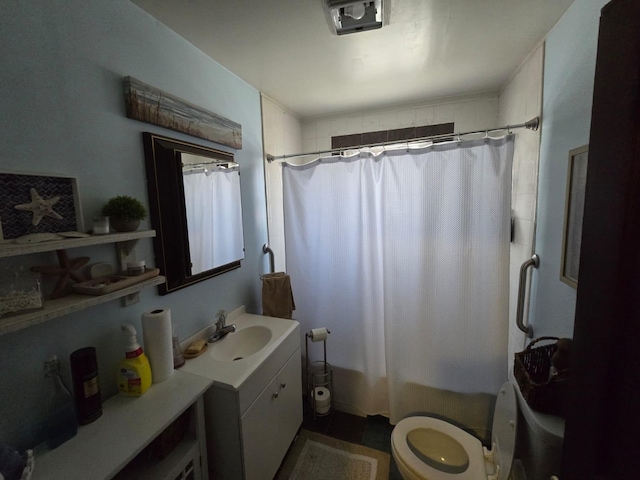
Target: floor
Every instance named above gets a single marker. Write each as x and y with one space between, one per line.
372 432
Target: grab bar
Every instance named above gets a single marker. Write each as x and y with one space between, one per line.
533 262
272 261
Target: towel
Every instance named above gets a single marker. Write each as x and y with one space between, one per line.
277 297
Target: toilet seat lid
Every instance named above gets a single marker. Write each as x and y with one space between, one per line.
438 450
412 460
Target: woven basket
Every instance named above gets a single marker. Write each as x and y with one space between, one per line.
531 369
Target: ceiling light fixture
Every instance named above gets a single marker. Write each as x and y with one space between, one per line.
347 16
356 11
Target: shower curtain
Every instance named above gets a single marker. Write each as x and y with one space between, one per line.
404 257
209 195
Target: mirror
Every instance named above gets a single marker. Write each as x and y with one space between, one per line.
195 208
573 213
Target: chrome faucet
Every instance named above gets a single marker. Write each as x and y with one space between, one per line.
221 327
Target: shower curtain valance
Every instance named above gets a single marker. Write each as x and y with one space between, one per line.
375 153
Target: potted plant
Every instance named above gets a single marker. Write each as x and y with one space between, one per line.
124 213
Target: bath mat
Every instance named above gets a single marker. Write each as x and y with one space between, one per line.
317 457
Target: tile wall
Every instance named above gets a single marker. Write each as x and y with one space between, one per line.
520 101
281 134
468 113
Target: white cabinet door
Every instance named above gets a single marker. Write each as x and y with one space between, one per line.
289 402
259 427
270 424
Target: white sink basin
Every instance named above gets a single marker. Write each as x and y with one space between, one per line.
240 344
257 343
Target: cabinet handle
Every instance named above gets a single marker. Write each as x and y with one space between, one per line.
275 395
283 385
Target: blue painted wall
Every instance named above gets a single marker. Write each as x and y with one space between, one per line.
62 109
569 68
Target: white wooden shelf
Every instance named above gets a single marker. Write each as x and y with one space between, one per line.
69 304
14 249
127 425
75 302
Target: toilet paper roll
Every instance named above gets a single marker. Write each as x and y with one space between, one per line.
322 399
318 334
158 343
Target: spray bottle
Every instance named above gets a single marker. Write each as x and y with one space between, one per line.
134 374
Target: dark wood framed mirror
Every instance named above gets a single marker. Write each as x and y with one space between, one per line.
573 214
195 208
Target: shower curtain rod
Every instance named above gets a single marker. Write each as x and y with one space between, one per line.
212 162
532 124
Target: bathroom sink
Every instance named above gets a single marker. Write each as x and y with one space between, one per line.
258 343
240 344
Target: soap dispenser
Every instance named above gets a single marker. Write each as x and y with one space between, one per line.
61 423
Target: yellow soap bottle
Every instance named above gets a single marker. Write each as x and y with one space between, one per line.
134 373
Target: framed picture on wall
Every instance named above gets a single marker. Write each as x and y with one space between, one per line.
573 213
32 203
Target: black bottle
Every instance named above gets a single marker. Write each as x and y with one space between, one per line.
86 386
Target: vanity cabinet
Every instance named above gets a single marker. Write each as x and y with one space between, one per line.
272 421
249 430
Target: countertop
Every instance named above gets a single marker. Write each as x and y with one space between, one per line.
127 425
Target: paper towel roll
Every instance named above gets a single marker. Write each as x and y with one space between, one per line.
158 343
322 399
318 334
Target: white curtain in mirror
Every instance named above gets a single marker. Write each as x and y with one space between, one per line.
405 258
214 217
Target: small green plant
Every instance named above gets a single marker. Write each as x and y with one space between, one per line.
125 208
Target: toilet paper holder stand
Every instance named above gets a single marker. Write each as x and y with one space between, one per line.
319 381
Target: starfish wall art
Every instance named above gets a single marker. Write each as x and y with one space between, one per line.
40 207
38 204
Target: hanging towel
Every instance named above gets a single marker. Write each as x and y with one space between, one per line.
277 297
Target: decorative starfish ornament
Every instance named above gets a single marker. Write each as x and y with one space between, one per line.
66 270
40 207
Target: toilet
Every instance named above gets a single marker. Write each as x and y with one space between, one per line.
427 448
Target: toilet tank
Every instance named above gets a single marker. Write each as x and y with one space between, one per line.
539 441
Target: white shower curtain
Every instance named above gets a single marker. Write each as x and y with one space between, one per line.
405 258
209 195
